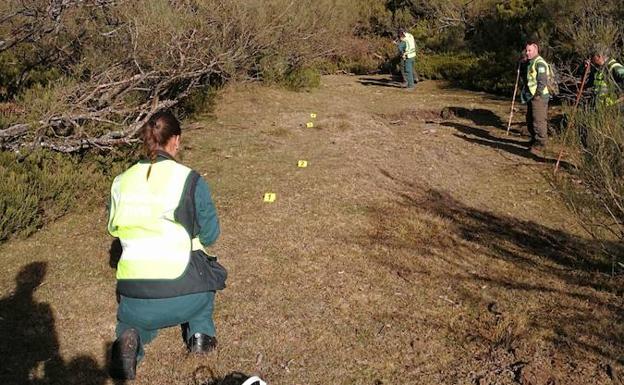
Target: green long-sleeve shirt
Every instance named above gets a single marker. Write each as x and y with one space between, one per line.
206 214
402 46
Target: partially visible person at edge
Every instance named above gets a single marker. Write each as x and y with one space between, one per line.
407 50
606 79
535 94
163 214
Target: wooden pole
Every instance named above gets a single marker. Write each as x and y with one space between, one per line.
513 100
576 103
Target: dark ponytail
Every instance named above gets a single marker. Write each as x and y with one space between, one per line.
156 132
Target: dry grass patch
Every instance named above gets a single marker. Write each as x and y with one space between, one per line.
395 257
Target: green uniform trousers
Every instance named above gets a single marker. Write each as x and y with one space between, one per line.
408 72
193 312
537 120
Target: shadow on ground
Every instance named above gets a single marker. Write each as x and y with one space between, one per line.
479 116
516 147
30 348
560 314
392 82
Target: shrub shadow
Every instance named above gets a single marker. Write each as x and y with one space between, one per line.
515 147
479 116
392 82
572 319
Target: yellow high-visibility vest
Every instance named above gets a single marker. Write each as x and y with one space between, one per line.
602 89
410 49
532 75
142 216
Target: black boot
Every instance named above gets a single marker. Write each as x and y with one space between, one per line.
201 343
124 355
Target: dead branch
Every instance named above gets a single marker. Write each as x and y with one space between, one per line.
139 67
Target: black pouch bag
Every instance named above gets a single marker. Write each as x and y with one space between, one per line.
211 271
206 265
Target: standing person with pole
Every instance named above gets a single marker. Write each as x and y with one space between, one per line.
606 80
407 49
536 95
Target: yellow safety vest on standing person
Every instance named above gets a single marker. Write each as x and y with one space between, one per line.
410 50
532 76
604 91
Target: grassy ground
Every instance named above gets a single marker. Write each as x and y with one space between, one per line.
411 250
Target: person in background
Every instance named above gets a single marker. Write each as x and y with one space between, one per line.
407 50
536 95
606 79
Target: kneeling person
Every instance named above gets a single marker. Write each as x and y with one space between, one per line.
163 215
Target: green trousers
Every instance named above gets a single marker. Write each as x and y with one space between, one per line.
408 72
193 312
537 120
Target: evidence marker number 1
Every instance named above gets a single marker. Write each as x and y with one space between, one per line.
269 197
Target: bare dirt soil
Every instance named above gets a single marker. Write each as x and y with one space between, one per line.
413 249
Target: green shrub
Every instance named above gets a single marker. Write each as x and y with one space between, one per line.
19 201
44 186
201 100
484 73
16 76
445 66
278 70
302 79
595 190
364 56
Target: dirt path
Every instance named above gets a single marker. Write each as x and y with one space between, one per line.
411 250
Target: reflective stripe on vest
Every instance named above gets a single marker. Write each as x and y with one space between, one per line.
532 76
410 49
155 246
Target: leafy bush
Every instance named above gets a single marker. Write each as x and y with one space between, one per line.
122 61
200 100
485 73
595 188
276 70
302 79
44 186
447 66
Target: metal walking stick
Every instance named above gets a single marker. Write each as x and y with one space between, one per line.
513 100
576 103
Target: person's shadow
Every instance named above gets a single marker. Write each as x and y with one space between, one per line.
29 351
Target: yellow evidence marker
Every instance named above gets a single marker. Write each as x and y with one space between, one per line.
309 124
302 163
269 197
313 115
